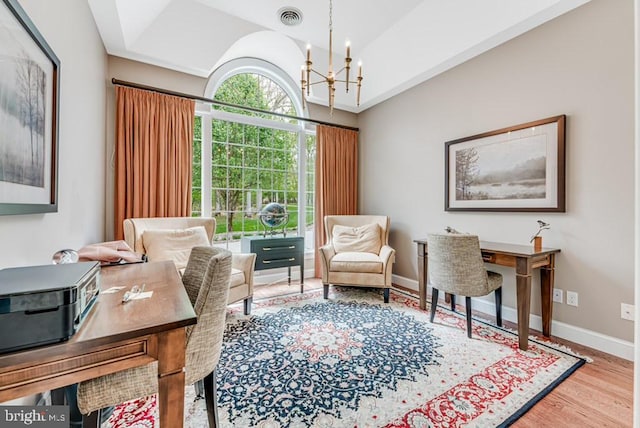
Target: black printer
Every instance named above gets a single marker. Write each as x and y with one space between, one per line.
45 304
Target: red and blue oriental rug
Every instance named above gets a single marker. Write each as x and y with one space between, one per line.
353 361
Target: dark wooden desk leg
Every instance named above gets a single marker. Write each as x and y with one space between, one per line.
171 360
523 292
422 274
289 274
547 274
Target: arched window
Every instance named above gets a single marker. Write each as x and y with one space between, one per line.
245 159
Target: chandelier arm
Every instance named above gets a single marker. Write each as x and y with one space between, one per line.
319 74
341 70
318 82
345 81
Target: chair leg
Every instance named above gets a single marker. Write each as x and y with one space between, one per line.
57 397
211 399
199 388
386 295
247 305
94 419
467 301
75 417
434 302
498 294
326 291
453 302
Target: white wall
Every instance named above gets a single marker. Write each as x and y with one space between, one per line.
581 65
68 27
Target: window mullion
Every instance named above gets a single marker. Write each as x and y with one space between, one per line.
206 170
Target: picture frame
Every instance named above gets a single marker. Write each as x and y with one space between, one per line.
29 114
516 169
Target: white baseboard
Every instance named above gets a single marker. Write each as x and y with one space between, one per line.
609 344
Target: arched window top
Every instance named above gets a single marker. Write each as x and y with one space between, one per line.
254 83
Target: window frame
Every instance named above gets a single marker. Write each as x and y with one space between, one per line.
207 114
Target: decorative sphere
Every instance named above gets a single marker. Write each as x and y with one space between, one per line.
273 215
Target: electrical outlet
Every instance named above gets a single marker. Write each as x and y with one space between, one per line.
557 295
572 298
627 312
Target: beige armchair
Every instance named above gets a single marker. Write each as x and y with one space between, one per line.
357 252
456 267
241 283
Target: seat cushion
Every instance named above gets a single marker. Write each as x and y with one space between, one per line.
237 277
356 262
365 238
173 244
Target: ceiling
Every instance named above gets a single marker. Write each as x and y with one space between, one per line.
400 43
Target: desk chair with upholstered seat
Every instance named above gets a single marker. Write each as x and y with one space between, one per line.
456 267
357 252
206 280
166 238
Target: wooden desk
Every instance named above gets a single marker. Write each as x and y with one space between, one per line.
523 258
115 337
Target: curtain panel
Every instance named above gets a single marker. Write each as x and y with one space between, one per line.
336 190
153 155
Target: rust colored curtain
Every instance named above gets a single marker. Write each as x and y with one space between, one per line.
336 178
153 153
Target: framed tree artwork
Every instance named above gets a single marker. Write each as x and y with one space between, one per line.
29 104
520 168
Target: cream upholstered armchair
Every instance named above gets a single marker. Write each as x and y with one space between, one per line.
357 252
456 267
171 238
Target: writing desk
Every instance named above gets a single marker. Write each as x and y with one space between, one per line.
114 337
524 259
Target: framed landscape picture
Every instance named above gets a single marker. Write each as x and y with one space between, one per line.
520 168
29 92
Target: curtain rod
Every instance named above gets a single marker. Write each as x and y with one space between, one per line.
221 103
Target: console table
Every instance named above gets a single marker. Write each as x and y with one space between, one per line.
115 337
276 252
524 259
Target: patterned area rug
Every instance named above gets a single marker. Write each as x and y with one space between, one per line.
353 361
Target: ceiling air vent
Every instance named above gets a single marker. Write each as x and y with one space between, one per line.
290 16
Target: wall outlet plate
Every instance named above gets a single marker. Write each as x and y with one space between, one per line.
557 295
572 298
627 312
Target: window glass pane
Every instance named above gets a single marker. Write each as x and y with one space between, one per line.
256 91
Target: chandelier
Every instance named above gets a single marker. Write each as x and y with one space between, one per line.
330 78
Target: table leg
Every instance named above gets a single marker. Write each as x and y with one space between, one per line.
171 360
289 274
547 274
422 274
523 292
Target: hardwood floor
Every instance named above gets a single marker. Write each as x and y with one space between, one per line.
599 394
